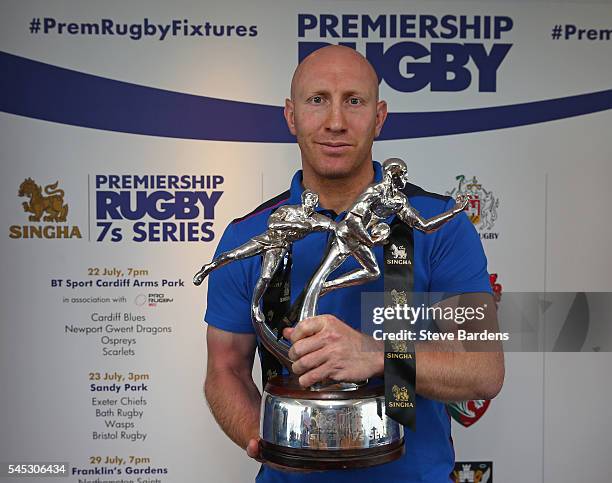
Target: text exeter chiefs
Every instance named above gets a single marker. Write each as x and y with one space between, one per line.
413 51
156 208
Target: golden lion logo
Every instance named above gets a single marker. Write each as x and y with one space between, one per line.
400 393
52 205
399 297
399 345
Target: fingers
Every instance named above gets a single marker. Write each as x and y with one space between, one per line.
306 328
252 448
306 346
316 343
318 374
310 361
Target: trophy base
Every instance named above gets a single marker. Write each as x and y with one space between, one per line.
337 426
320 460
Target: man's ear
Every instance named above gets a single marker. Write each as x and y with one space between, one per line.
381 115
289 116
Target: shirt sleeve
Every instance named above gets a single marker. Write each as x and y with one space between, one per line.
458 261
229 306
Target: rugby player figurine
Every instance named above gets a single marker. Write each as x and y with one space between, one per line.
363 227
287 224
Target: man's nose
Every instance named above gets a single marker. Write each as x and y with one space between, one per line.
336 120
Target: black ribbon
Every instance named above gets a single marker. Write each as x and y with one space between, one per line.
400 357
276 301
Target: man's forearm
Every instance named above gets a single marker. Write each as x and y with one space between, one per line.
458 376
444 374
234 401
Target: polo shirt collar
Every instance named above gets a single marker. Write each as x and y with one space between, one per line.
296 190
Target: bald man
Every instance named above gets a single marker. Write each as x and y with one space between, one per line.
335 113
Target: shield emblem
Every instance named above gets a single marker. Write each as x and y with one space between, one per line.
473 209
466 413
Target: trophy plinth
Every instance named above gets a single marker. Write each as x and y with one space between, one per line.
326 429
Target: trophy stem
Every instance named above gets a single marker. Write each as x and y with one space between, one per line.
331 261
273 344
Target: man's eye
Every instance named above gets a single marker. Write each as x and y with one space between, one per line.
354 101
316 99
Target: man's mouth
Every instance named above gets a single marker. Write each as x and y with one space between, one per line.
334 147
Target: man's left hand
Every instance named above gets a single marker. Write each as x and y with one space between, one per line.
325 348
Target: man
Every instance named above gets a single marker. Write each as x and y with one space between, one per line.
335 113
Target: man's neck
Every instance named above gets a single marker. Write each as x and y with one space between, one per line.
338 194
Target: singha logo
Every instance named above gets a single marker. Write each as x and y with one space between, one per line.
52 204
398 345
401 398
286 293
47 210
399 255
400 393
398 251
399 297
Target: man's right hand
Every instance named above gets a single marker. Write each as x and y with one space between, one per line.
253 450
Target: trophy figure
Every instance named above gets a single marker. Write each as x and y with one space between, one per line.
331 425
363 227
287 224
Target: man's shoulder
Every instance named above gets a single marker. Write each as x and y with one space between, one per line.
426 202
254 222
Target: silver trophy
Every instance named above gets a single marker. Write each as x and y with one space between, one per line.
331 425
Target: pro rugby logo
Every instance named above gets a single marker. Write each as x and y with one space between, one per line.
48 213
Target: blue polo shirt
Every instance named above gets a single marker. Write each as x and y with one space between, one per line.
448 260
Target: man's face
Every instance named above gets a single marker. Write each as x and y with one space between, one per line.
334 112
